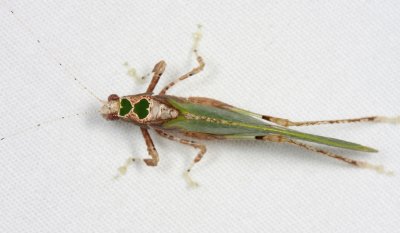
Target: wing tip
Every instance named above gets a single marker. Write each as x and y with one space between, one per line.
368 149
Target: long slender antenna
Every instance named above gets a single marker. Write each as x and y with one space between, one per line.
84 87
45 123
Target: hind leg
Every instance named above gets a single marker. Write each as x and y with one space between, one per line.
283 139
286 123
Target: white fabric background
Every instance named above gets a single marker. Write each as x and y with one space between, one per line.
302 60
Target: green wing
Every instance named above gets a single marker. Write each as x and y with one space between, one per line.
222 121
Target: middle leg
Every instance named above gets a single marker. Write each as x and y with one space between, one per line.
202 150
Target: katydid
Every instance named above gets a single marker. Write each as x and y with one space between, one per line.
200 118
209 119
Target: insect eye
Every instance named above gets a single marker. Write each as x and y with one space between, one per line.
111 117
113 97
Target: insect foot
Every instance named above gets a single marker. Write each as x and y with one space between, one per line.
378 168
191 183
392 120
150 162
124 168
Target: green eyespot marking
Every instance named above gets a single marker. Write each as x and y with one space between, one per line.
125 107
142 108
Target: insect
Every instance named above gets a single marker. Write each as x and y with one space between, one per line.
186 120
209 119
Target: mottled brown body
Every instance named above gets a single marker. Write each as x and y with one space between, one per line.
159 110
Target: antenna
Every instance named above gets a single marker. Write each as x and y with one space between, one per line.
68 73
84 87
45 123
